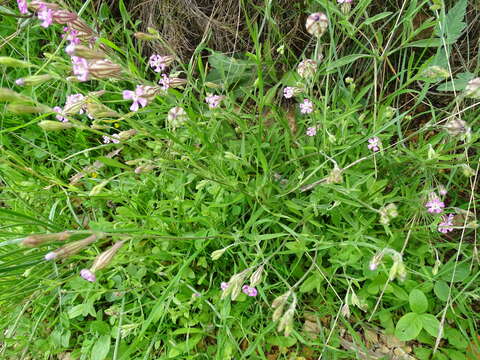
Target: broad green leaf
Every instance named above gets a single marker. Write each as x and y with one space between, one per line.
418 301
75 311
453 24
441 289
312 282
112 162
435 42
461 272
408 327
430 324
456 338
345 61
377 17
459 83
455 354
101 348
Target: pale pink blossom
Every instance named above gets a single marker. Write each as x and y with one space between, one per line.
344 1
73 101
312 131
88 275
46 15
249 290
288 92
213 101
107 139
374 144
22 6
158 62
224 285
306 107
59 115
136 96
80 68
435 205
165 81
447 224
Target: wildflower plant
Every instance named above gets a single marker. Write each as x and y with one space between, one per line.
306 179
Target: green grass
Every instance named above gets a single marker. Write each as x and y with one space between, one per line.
238 178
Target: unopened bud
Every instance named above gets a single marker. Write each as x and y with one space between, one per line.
217 254
36 4
317 24
9 61
34 80
256 277
49 125
149 92
72 248
177 116
286 322
345 310
467 170
281 300
277 313
103 69
346 6
473 88
106 257
12 96
152 31
144 169
177 82
100 111
36 240
84 31
63 16
335 176
457 127
27 109
145 36
127 134
307 68
87 53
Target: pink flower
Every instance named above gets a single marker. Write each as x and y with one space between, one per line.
45 14
311 131
20 82
344 1
73 101
213 101
447 224
435 205
250 291
60 116
306 107
88 275
136 96
288 92
165 82
224 285
374 144
22 6
50 256
115 139
442 190
80 68
158 63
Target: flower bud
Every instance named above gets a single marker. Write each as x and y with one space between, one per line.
457 127
256 277
84 31
376 260
12 96
286 322
127 134
177 82
345 310
346 7
71 248
217 253
34 80
467 170
49 125
177 116
335 176
102 260
36 4
63 16
149 92
147 168
39 239
100 111
278 312
87 53
307 68
145 36
317 24
9 61
473 88
152 31
104 69
27 109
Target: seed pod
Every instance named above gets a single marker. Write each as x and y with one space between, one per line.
145 36
177 116
127 134
473 88
217 253
49 125
307 68
317 24
63 16
256 277
177 82
87 53
39 239
335 176
27 109
102 260
12 96
72 248
457 127
100 111
34 80
36 4
149 92
9 61
84 31
104 69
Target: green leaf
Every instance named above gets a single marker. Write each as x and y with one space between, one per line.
459 83
112 162
345 61
455 355
456 339
461 272
377 17
441 289
435 42
430 324
101 348
453 24
408 327
418 301
75 311
111 45
312 282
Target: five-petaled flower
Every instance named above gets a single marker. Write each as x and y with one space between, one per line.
447 224
374 144
158 62
165 81
249 290
45 14
136 96
312 131
306 107
289 92
435 205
